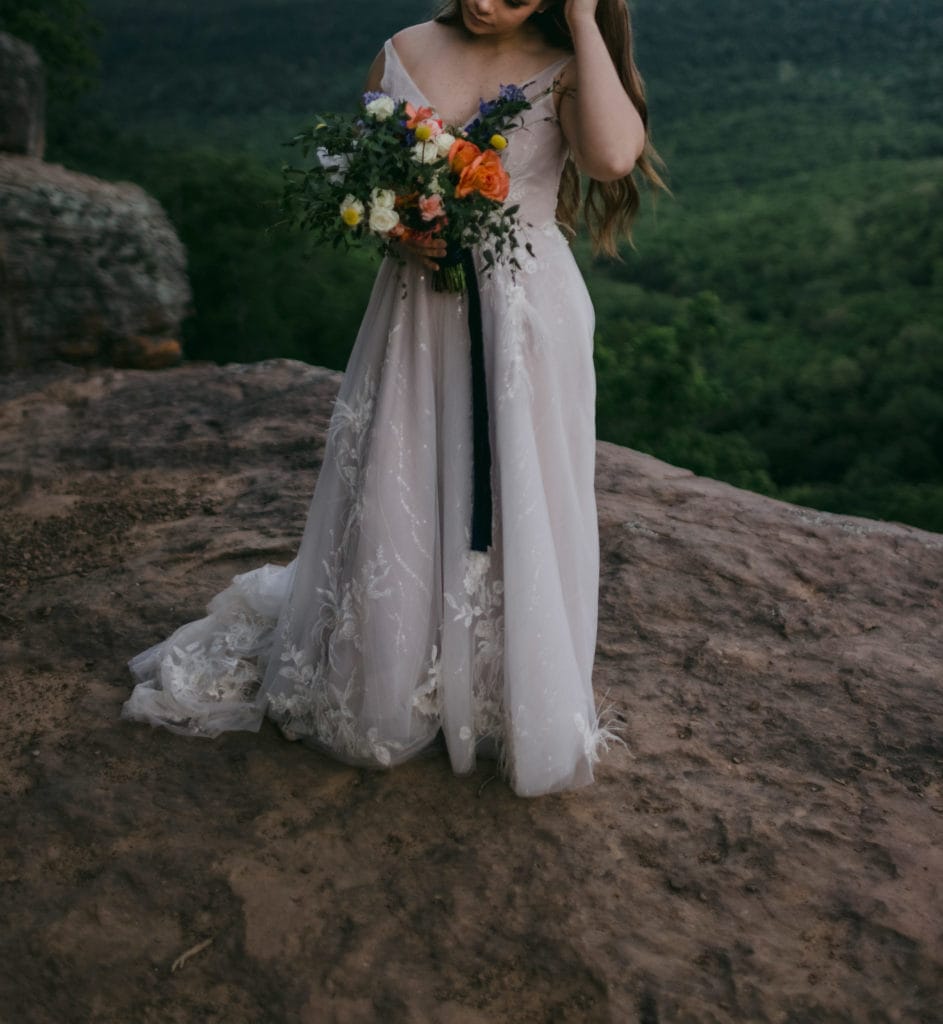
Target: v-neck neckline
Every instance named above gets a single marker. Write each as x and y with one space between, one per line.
465 121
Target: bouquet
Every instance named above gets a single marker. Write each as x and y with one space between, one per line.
396 171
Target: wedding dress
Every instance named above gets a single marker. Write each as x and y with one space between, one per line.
386 627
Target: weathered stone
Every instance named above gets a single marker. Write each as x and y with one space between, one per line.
22 98
767 848
89 269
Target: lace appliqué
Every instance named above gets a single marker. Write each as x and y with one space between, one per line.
516 340
516 376
481 609
315 706
217 666
317 709
427 700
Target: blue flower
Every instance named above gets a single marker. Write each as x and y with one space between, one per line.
369 97
511 94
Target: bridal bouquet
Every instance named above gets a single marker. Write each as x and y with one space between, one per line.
396 171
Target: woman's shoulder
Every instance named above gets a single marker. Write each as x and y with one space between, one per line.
407 42
414 39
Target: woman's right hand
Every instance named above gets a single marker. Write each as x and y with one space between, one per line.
425 247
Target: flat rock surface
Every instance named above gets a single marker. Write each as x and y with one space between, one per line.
767 847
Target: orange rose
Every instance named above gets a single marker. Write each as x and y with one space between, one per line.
485 174
461 154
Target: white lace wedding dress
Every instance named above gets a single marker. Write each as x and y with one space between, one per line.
386 628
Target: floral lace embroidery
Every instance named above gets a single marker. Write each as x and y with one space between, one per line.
427 699
515 374
315 706
222 670
481 609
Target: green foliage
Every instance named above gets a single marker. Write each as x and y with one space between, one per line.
64 34
780 324
258 291
823 347
653 393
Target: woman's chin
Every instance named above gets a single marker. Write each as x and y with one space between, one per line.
472 24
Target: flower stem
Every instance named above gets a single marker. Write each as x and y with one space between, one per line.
449 279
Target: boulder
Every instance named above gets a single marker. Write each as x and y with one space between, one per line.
90 270
22 98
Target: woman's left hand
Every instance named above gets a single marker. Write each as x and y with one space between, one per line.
600 121
578 10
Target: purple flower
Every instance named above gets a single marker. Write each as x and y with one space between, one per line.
369 97
511 94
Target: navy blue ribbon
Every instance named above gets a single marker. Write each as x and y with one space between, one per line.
481 521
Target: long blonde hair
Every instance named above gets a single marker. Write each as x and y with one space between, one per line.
610 206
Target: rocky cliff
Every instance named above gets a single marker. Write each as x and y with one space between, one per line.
22 98
766 848
90 270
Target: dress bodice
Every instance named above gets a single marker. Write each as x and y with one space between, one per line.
537 149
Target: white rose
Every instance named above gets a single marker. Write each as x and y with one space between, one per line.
384 197
443 143
381 108
383 219
426 153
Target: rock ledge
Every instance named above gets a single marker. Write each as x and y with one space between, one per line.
767 848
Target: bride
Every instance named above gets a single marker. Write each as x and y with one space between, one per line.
394 623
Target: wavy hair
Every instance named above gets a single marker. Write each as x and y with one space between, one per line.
609 207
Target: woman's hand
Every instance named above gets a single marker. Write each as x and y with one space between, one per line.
579 10
604 129
424 247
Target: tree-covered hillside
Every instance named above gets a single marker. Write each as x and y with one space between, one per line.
783 84
780 323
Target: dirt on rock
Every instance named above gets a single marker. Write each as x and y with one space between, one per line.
767 847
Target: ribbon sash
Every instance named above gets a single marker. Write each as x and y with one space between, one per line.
481 520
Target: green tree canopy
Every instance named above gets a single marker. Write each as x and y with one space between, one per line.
64 34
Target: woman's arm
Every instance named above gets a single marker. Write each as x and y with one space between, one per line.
375 74
599 121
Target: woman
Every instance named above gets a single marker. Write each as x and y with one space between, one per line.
394 621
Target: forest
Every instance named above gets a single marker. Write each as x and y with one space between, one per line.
778 321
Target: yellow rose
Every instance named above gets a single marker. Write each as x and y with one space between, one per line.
497 141
423 133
